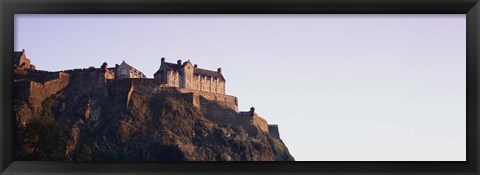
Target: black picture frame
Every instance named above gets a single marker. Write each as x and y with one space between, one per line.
469 7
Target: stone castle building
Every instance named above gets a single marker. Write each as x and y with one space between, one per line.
21 61
186 75
124 70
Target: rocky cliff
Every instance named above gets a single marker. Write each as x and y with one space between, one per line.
102 121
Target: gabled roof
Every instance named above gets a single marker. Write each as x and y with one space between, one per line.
17 56
187 62
169 66
126 64
172 66
196 71
131 67
204 72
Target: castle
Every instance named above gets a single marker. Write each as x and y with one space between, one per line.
186 75
200 87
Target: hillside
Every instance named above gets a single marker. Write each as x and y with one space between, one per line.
112 122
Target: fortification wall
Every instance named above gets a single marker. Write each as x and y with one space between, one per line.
273 131
41 91
251 119
260 122
90 80
144 84
217 113
39 75
153 86
226 101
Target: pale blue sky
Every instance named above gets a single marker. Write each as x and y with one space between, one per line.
340 87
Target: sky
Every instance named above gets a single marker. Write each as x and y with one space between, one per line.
340 87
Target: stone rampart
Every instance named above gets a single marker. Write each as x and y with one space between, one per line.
260 122
41 91
90 80
227 101
251 119
153 86
273 131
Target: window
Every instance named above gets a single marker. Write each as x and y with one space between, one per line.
124 71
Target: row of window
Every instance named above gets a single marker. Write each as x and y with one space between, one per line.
136 73
203 88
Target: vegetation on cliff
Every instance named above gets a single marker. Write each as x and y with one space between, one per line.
80 124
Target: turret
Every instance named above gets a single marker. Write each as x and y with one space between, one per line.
219 70
104 66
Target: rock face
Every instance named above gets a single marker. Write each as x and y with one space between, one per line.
102 121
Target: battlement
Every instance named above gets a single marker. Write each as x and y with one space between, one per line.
28 89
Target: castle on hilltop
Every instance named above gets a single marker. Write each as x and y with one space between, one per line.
186 75
200 87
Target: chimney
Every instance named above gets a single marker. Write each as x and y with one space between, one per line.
219 70
195 66
252 110
116 66
163 60
179 62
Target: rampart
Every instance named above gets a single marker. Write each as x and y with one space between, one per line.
227 101
151 85
53 83
251 118
273 131
90 80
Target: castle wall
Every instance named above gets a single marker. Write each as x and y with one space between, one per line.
226 101
41 91
145 84
273 131
41 76
252 122
91 80
261 123
152 85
